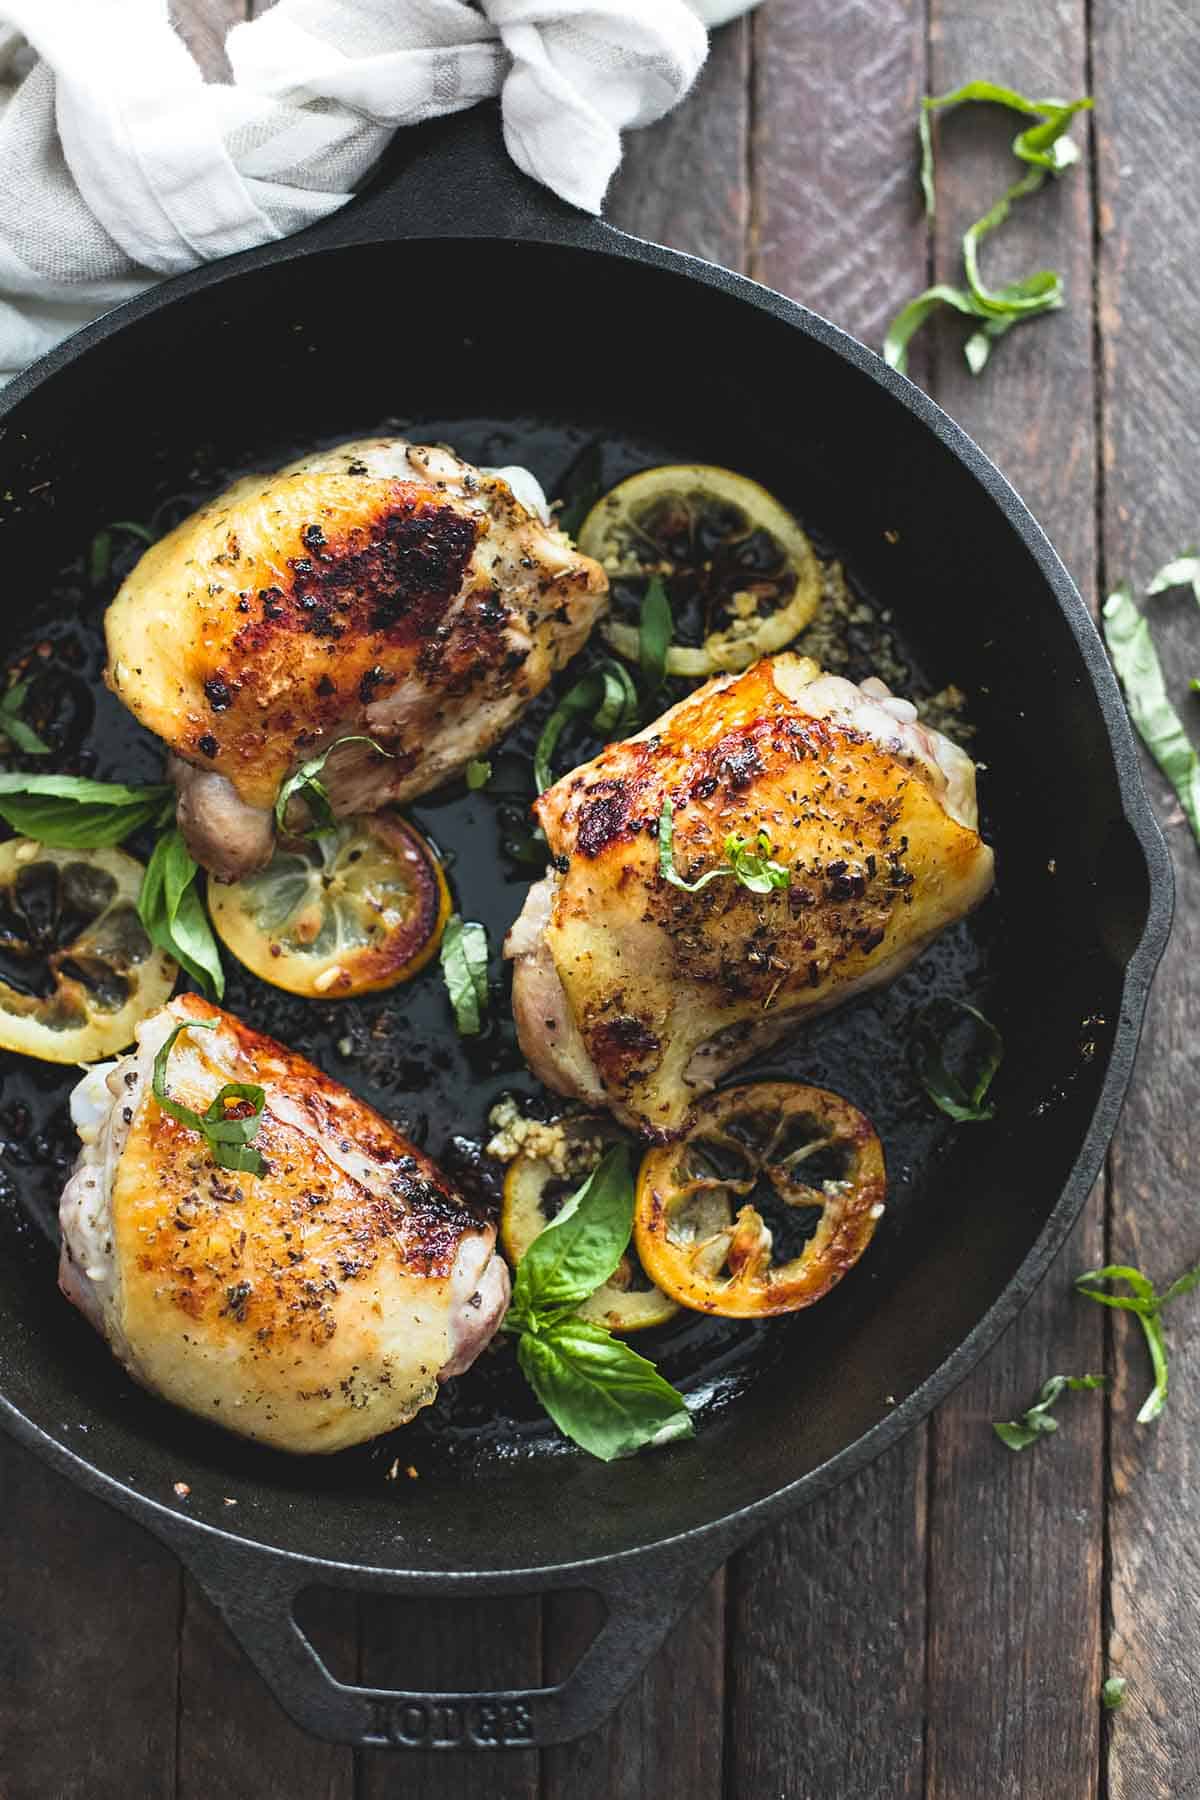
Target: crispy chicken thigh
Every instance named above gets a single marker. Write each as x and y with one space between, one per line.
310 1308
379 589
633 994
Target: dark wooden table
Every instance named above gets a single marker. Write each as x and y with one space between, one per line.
941 1625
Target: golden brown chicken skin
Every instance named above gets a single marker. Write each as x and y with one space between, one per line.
379 589
632 993
309 1308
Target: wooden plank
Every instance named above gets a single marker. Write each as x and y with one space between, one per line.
1016 1541
667 1736
89 1615
684 181
835 219
827 1616
827 1621
202 25
1147 59
233 1738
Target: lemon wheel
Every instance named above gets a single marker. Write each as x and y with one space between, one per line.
701 1237
359 908
535 1189
77 969
739 571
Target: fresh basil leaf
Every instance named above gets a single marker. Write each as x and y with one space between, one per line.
70 812
655 629
306 781
1157 723
20 735
1112 1694
464 957
174 915
598 1391
581 1246
607 693
666 855
1181 571
479 773
229 1140
965 1104
585 484
1018 1434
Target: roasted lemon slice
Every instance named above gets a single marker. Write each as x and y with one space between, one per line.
358 908
536 1187
697 1230
738 569
77 970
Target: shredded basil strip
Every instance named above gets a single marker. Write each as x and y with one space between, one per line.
1181 571
753 868
1147 1305
70 812
20 735
600 1393
585 487
100 555
1048 151
306 781
607 693
1112 1694
1157 723
464 957
656 627
1018 1434
961 1099
174 915
478 773
229 1140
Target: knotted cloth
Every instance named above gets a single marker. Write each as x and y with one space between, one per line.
120 164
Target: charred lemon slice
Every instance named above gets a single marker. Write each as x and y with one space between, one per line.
537 1185
77 970
740 574
698 1231
358 908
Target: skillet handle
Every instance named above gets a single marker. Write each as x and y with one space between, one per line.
454 178
256 1597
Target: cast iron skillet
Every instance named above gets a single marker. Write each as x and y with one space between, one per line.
462 299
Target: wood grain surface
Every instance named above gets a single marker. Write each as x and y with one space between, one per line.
939 1626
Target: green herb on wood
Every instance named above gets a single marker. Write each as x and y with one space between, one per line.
1037 1423
1048 151
1112 1694
1147 1305
1135 659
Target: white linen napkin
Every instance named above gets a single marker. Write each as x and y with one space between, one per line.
119 164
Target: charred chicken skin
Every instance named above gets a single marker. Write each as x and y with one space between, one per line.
632 993
380 590
311 1307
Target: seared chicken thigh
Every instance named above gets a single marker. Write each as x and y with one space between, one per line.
632 993
380 589
309 1308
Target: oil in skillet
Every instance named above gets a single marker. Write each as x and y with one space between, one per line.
400 1050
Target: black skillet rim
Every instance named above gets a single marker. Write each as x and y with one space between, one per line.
548 223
